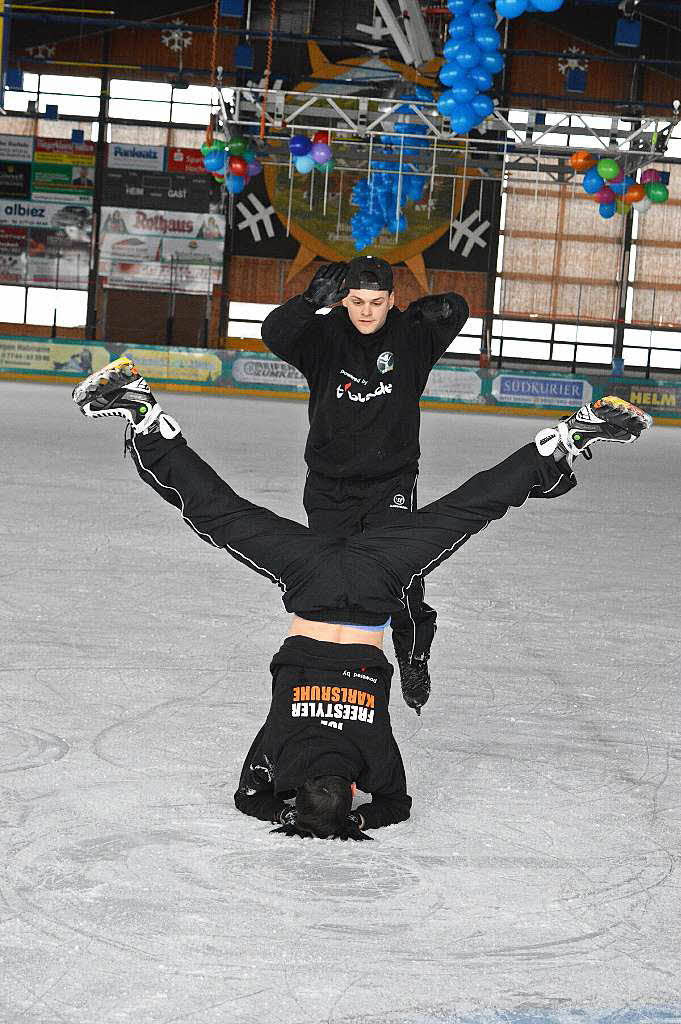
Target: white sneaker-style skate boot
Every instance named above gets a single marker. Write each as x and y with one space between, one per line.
119 389
608 419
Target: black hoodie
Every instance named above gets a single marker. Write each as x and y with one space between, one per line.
364 389
329 716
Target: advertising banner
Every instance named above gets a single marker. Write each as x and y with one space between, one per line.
652 399
161 250
63 151
45 244
160 190
233 371
453 384
257 369
128 156
16 148
15 180
189 161
13 255
71 217
194 365
45 356
541 390
62 167
162 277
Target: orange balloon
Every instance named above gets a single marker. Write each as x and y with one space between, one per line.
583 160
634 194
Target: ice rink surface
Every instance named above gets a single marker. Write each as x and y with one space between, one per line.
538 878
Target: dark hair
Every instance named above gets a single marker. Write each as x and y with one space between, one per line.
323 804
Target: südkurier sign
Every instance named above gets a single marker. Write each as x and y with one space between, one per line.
238 372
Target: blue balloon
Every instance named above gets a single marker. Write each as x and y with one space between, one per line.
460 28
482 14
547 5
458 6
446 103
487 39
511 8
299 145
235 183
214 160
463 91
491 61
304 164
483 106
463 119
481 78
606 210
592 181
451 73
450 48
618 187
468 54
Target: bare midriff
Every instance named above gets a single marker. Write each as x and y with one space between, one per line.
335 633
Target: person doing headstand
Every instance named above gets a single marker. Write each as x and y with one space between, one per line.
328 727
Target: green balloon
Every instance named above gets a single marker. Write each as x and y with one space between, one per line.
657 192
248 154
236 146
607 168
328 166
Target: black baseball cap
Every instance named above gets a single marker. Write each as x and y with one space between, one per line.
369 272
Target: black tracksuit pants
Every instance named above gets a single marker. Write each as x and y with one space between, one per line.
362 578
343 507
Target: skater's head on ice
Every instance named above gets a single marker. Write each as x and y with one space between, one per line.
371 296
322 810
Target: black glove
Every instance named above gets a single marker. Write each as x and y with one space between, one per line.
437 309
353 829
286 817
326 287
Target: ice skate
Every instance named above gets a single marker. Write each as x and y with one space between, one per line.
415 681
608 419
119 389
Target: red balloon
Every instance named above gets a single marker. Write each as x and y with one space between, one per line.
321 137
238 165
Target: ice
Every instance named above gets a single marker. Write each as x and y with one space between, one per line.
537 880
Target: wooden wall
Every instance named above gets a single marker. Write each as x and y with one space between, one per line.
607 83
141 47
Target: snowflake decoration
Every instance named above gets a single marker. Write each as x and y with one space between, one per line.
42 52
574 59
176 38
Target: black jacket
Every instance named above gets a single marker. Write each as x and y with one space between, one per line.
328 716
364 409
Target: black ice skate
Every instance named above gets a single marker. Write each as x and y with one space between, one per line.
608 419
118 389
415 680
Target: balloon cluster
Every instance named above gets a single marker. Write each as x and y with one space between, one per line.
514 8
380 201
615 191
472 57
232 163
311 154
381 198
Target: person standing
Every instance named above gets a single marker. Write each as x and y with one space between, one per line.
367 364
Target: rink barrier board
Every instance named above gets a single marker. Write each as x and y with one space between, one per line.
235 372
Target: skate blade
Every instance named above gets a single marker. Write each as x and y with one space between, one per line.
614 402
111 377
